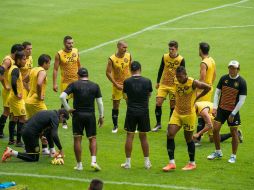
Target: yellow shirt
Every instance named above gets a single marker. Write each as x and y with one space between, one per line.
169 71
69 65
185 97
121 67
204 104
19 81
27 68
6 81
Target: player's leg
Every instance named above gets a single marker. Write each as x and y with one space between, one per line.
158 113
3 118
115 113
20 126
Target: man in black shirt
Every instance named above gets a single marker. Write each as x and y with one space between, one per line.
138 90
43 122
84 93
229 97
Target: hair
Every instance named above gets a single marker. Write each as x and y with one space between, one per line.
135 65
173 43
19 55
67 38
64 112
25 44
96 184
204 47
82 72
181 69
2 70
44 58
17 47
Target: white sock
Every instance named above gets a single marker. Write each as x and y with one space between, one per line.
52 150
192 162
14 153
172 161
128 161
93 159
233 155
79 164
147 159
218 151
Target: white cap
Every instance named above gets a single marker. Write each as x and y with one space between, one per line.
234 63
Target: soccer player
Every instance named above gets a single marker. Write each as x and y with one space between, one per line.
138 90
207 75
96 184
2 73
184 115
69 62
46 121
15 99
85 92
165 80
8 61
118 69
27 68
229 97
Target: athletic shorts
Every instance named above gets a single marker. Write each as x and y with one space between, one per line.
186 121
117 94
81 121
24 93
17 106
164 91
137 122
222 116
32 109
63 86
31 143
5 96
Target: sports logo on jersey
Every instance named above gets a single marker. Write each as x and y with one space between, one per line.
226 81
125 60
236 84
23 111
74 55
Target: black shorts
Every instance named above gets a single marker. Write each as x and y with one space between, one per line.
222 116
31 143
139 122
84 120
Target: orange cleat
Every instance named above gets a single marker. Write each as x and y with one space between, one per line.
6 154
169 167
189 166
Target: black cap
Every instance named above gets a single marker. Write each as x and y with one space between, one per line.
83 72
2 70
135 65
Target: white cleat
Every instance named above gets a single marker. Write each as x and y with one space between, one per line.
148 165
214 155
95 166
125 166
45 151
115 129
79 168
232 159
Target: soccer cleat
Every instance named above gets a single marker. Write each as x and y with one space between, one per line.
126 166
232 159
156 128
52 154
6 154
214 155
169 167
11 142
79 168
148 165
189 166
65 126
19 144
115 129
95 166
45 151
240 136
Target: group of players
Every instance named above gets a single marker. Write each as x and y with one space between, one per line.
24 92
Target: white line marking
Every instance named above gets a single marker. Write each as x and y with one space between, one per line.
205 28
106 182
157 25
243 7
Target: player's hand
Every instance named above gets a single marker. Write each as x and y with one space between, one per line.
100 121
8 88
71 111
195 136
214 113
119 87
19 96
55 88
231 118
44 140
60 154
42 98
157 85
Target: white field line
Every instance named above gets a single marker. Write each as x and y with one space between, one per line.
206 28
106 182
158 25
242 7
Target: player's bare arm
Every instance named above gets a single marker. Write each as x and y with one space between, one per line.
109 75
201 85
55 71
203 69
41 78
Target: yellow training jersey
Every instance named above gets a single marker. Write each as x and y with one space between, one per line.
69 65
19 82
32 97
6 81
121 67
27 68
185 97
202 105
169 71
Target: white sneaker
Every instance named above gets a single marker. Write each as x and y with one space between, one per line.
52 154
148 165
232 159
79 168
115 129
45 151
95 166
214 155
125 166
65 126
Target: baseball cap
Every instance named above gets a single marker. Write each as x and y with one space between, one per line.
83 72
234 63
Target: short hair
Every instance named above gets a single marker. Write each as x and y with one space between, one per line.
135 65
67 38
2 70
64 112
204 47
82 72
181 69
173 43
17 47
25 44
44 58
96 184
19 55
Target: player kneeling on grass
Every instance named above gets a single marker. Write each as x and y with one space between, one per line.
46 121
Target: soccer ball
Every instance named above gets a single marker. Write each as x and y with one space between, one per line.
57 161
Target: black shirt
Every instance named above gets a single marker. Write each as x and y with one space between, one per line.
138 90
84 93
41 122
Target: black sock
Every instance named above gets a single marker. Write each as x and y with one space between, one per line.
171 148
201 125
158 113
115 117
224 137
3 119
20 126
12 125
171 112
191 150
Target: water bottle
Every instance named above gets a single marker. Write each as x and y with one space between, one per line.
7 184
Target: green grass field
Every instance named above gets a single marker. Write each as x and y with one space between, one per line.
227 26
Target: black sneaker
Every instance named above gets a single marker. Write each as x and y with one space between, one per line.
156 128
115 129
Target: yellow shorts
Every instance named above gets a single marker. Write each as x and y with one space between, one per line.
17 106
163 91
5 96
25 93
63 87
32 109
117 94
186 121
